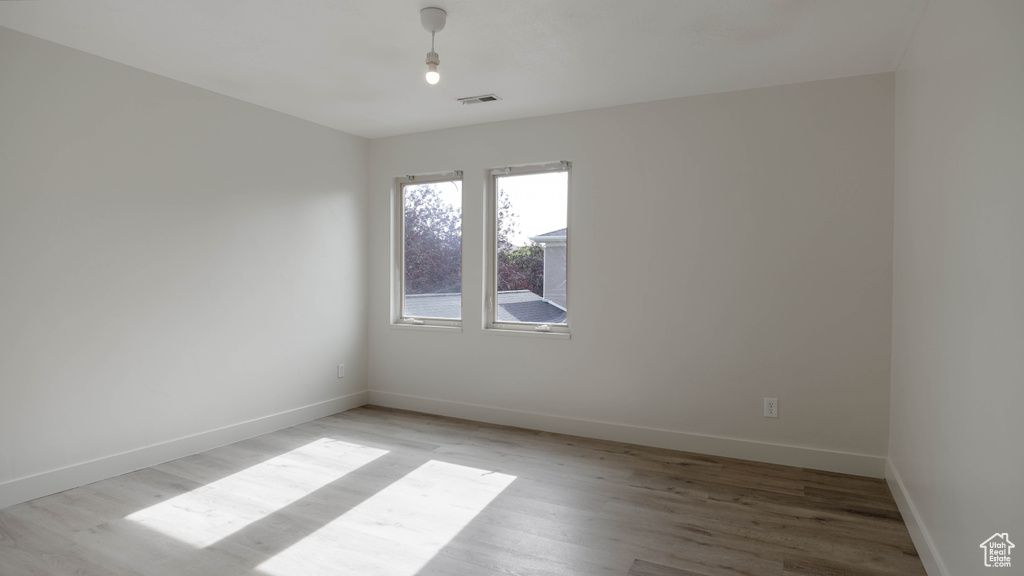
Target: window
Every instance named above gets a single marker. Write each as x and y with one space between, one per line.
528 249
428 250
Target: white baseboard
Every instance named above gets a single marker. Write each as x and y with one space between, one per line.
848 463
918 533
46 483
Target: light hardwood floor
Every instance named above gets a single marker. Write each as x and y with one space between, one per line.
378 491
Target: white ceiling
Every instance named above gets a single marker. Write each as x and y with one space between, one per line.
358 65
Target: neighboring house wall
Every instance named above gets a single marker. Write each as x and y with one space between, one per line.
554 273
958 294
172 262
765 221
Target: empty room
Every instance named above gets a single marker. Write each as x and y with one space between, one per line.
512 288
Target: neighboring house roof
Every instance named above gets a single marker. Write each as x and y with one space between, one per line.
525 306
553 236
513 306
433 305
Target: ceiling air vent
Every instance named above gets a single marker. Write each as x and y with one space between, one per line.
479 99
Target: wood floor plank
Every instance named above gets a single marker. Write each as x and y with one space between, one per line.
876 487
643 568
354 493
782 536
854 500
808 566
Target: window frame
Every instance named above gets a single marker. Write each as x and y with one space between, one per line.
491 324
398 317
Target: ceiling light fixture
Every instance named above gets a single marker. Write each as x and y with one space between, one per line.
433 19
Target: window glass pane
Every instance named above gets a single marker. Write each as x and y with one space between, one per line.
532 216
433 250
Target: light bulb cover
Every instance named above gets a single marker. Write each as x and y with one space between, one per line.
433 77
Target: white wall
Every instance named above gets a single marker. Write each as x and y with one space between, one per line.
958 296
725 248
172 262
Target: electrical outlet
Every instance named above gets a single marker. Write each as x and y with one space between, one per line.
341 370
771 407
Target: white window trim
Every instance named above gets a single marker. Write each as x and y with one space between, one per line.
490 324
398 317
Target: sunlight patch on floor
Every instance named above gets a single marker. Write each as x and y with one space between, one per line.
218 509
397 530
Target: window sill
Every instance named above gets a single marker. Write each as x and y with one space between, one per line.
527 333
426 328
